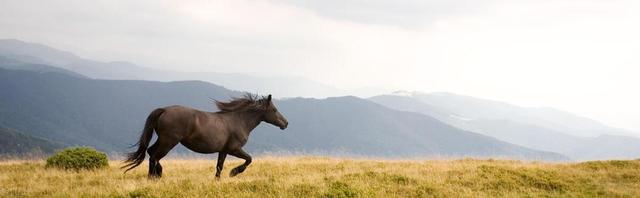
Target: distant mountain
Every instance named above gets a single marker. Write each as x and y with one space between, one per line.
354 125
285 86
35 53
475 108
13 142
528 135
518 125
9 63
608 147
108 114
100 113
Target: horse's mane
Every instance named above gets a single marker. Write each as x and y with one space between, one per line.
247 102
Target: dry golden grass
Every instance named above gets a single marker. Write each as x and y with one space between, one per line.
331 177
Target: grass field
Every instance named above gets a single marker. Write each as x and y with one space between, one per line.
331 177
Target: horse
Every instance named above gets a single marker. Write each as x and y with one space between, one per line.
224 132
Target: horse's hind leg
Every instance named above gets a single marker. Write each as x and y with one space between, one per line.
152 163
156 152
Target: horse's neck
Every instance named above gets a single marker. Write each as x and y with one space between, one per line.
249 120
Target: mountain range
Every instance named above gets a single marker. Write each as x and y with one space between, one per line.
55 96
108 114
38 54
537 128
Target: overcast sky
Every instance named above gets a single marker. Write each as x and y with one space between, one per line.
582 56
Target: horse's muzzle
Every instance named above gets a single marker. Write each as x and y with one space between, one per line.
284 125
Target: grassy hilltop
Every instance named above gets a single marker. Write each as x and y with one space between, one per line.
331 177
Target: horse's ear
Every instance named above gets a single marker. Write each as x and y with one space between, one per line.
269 98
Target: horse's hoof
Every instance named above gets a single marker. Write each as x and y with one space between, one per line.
234 172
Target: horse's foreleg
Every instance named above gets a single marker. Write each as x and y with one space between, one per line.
220 165
247 160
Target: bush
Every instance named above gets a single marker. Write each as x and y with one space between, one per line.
78 158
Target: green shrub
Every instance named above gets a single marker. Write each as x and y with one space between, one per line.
78 158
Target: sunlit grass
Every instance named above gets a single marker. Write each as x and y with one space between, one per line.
330 177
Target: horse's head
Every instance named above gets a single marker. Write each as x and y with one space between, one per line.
273 116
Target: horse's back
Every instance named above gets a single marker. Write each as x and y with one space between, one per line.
197 130
176 120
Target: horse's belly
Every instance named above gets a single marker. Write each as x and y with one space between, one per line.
203 144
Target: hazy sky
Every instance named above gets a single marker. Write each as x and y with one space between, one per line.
582 56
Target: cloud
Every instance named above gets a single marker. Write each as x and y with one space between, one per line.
404 13
571 54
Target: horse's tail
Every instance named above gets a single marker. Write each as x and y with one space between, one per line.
135 158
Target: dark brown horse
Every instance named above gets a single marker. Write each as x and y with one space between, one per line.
225 131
